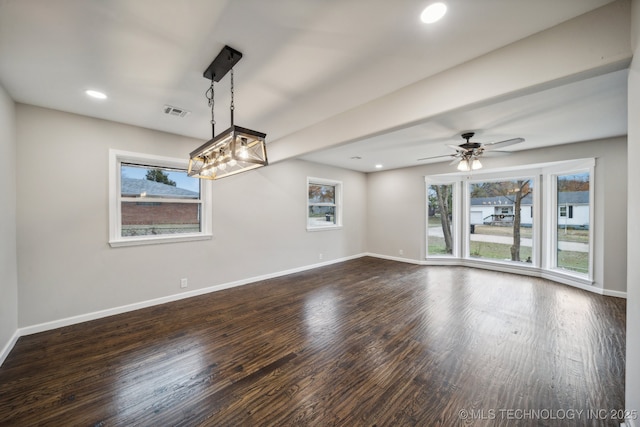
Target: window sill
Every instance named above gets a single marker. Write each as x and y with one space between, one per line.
568 275
156 240
332 227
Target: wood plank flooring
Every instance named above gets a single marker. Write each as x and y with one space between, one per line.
367 342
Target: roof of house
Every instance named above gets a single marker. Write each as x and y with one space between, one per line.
573 197
564 197
498 201
132 187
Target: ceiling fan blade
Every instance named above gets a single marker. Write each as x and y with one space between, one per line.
455 160
504 143
496 153
436 157
457 148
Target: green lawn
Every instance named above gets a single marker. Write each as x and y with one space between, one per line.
570 260
575 261
498 251
581 236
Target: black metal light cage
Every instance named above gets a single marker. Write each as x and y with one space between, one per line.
235 150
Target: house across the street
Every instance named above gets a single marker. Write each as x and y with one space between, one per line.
573 210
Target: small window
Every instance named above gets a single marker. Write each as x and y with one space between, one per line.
324 199
152 200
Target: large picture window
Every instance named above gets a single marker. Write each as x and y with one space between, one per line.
501 220
324 204
154 201
537 218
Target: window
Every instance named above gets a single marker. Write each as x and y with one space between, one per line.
152 200
572 231
324 204
539 218
501 224
441 218
563 211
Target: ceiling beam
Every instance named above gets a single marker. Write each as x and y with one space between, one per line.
588 45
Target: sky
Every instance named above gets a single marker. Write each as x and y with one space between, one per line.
181 178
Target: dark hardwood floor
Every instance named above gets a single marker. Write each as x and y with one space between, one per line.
367 342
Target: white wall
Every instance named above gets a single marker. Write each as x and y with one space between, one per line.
66 267
8 264
633 242
396 204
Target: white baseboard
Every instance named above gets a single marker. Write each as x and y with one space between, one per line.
617 294
9 346
515 269
47 326
393 258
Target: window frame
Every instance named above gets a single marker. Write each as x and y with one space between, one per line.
116 159
585 166
526 174
455 217
337 205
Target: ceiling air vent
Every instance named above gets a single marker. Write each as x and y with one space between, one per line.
175 111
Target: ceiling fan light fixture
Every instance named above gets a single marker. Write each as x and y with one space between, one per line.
468 154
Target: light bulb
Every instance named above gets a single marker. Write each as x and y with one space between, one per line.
222 166
232 162
463 165
476 164
433 13
209 171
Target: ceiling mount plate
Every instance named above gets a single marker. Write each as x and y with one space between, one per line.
226 59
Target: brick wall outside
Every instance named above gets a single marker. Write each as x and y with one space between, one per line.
143 213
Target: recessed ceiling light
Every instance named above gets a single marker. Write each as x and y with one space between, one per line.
433 13
378 166
95 94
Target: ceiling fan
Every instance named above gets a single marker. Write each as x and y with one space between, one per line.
468 154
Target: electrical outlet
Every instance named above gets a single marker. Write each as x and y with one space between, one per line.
401 251
320 256
183 283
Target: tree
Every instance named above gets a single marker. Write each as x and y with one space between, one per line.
522 189
158 175
443 196
574 183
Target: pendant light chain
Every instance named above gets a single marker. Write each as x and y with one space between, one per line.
232 93
210 99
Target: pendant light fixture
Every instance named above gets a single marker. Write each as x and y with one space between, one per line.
235 150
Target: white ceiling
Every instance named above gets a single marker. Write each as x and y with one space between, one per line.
589 109
304 61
